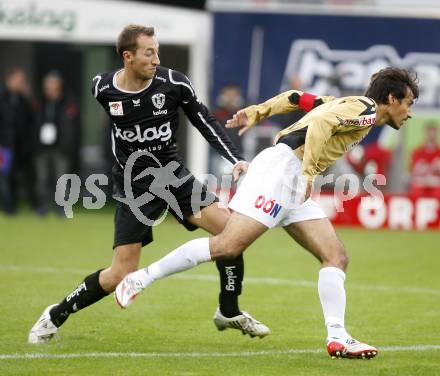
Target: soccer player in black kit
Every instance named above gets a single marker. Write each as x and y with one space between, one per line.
142 100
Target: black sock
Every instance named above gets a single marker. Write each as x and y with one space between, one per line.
88 292
231 279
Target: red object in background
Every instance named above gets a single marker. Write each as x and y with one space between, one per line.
71 109
425 171
425 154
374 160
404 212
223 115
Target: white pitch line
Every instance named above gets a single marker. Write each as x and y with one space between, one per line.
304 283
249 280
413 348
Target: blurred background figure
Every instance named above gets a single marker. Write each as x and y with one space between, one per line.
228 102
57 126
290 118
425 164
17 142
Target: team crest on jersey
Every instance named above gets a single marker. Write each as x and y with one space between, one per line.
158 100
116 108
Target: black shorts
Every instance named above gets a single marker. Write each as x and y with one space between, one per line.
134 226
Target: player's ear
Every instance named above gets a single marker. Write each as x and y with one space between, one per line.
391 98
127 55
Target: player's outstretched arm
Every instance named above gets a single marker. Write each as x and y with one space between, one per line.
281 104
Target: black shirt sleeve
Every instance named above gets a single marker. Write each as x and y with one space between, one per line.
205 122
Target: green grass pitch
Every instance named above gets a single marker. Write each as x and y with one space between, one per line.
393 295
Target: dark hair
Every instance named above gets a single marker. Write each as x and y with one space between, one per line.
54 74
127 39
394 81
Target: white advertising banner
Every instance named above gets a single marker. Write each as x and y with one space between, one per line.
96 21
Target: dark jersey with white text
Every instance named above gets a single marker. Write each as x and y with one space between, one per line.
147 120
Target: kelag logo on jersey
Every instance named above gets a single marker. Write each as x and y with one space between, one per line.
347 72
137 134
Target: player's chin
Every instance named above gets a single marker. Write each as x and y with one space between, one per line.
149 74
395 125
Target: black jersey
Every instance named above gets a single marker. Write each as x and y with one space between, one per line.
147 120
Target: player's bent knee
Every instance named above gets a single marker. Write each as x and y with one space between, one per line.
340 258
232 253
343 261
223 249
108 279
336 256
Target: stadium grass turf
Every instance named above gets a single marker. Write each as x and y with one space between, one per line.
393 293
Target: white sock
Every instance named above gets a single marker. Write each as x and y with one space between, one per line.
185 257
332 295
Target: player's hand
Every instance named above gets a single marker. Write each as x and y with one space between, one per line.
240 168
239 119
309 189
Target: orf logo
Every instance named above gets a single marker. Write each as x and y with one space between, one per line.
268 206
158 100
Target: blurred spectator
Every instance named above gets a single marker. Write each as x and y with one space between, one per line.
57 124
228 102
17 146
292 117
425 165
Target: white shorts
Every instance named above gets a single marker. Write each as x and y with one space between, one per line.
273 189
